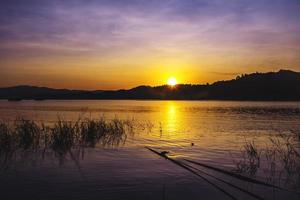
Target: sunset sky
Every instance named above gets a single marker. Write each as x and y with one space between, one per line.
112 44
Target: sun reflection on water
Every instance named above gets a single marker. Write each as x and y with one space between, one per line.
172 116
173 122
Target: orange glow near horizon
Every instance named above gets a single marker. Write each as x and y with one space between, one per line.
76 75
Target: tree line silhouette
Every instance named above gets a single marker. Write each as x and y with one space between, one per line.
283 85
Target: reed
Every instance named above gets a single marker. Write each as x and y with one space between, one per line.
92 131
281 160
62 137
250 161
6 137
27 133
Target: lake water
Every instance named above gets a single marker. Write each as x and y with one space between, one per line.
211 132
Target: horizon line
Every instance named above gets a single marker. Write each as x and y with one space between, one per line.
142 85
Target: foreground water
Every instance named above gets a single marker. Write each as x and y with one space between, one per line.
212 132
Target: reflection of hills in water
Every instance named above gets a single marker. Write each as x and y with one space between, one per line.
82 109
143 109
249 110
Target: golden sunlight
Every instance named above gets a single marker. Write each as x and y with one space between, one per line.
172 81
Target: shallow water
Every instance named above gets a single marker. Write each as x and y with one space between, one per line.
213 132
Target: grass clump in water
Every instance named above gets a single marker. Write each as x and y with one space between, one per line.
92 131
62 137
250 159
27 133
278 163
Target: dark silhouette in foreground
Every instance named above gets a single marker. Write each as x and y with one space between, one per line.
279 86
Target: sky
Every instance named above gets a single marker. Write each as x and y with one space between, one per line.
114 44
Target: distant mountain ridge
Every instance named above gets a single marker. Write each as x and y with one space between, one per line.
283 85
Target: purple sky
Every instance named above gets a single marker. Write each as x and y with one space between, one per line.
119 44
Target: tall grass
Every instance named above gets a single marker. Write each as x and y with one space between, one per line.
27 134
281 160
24 135
6 138
250 162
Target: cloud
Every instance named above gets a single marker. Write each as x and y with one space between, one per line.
172 27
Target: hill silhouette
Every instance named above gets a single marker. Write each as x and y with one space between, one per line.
283 85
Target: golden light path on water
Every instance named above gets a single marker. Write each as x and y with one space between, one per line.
211 124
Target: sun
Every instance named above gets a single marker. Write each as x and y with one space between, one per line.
172 81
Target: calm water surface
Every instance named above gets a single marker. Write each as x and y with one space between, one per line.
212 132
